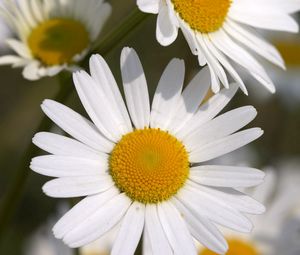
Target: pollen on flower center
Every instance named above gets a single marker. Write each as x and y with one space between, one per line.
236 247
205 16
57 41
149 165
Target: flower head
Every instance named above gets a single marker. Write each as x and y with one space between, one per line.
144 167
218 31
52 35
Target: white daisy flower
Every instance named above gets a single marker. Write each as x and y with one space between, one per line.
51 36
145 168
219 30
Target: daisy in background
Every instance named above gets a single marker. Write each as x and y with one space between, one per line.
144 168
277 232
51 36
218 31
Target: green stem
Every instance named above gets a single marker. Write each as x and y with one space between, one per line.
115 37
14 193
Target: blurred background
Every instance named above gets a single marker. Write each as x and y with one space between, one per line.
20 114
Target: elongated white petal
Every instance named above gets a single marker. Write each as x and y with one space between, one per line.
105 80
226 176
154 230
77 186
202 229
135 88
64 166
254 42
129 233
225 145
219 127
190 100
233 198
166 31
82 211
238 54
208 111
98 106
167 94
210 207
274 20
64 146
76 125
151 6
175 229
99 222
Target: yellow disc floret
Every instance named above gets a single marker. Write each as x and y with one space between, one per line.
204 16
236 247
57 41
149 165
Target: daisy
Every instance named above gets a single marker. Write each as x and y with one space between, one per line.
221 30
51 36
144 168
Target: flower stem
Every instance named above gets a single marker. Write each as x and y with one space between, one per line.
131 22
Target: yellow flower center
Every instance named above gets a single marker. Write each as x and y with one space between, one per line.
236 247
57 41
205 16
149 165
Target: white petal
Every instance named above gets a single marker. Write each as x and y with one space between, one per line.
19 47
208 111
190 100
105 80
224 61
77 186
242 57
226 176
63 146
166 31
175 229
130 231
31 71
235 199
150 6
99 222
209 206
62 166
98 106
225 145
257 17
10 60
153 228
135 88
219 127
82 211
76 125
202 229
167 94
254 42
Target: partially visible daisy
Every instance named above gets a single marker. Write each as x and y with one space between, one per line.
274 234
51 35
144 169
221 30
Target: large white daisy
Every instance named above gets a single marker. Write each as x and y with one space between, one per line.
145 168
51 35
218 31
